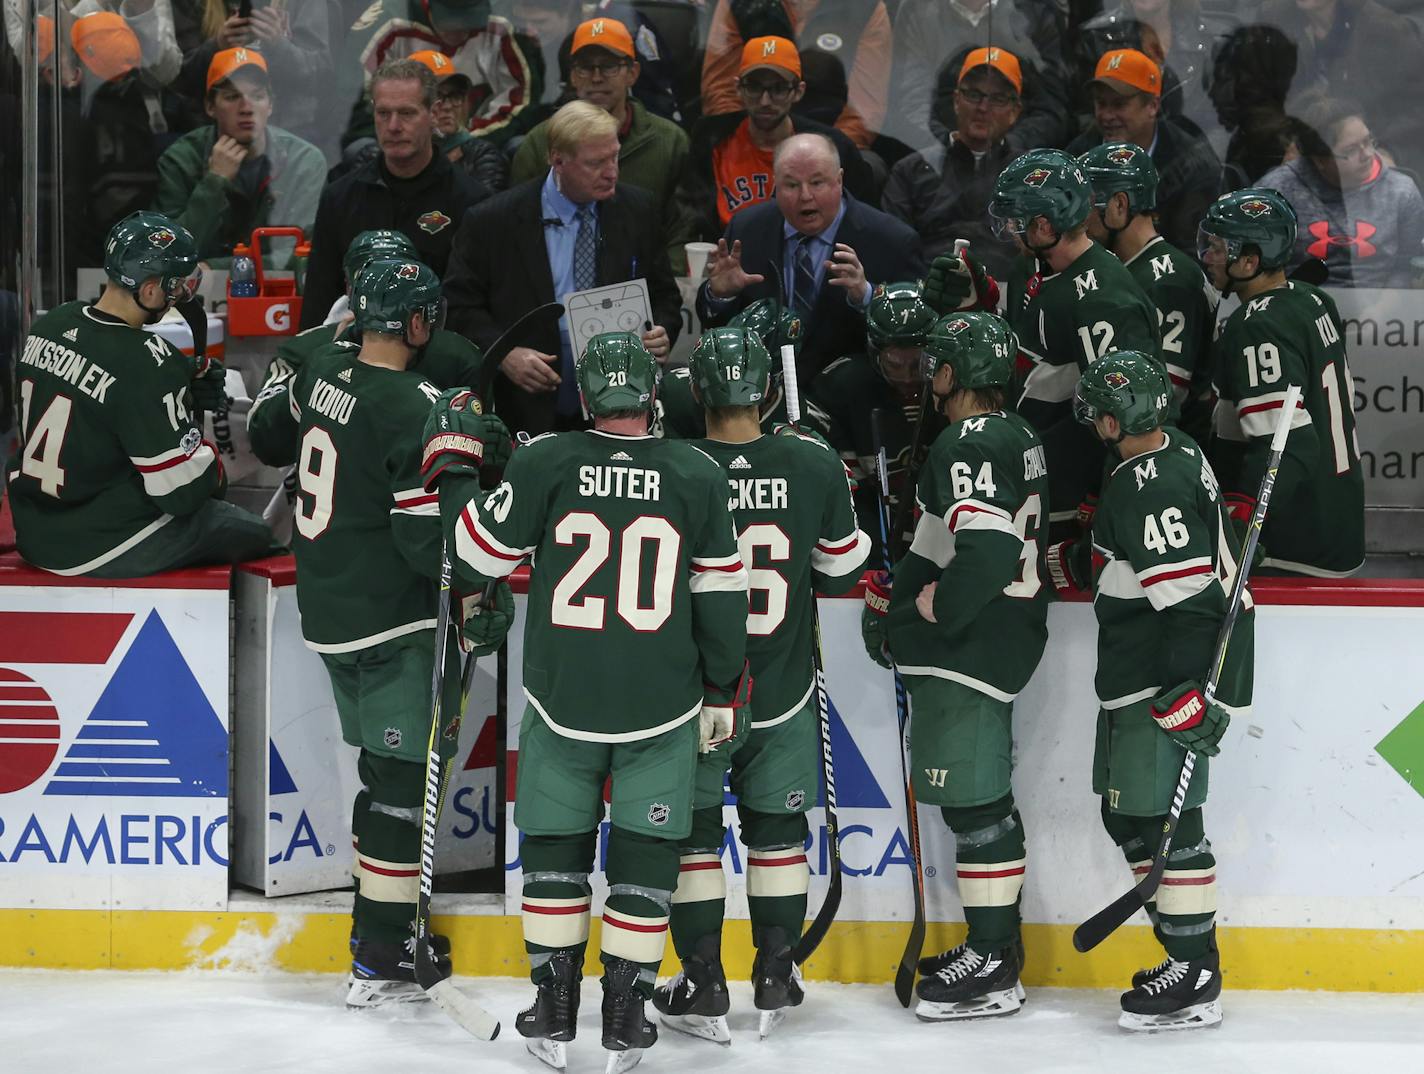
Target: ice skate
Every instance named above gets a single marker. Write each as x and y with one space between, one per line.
696 1002
626 1032
971 986
383 972
552 1020
776 980
1183 995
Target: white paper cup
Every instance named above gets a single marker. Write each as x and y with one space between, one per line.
697 255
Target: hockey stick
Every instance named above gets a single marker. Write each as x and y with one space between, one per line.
446 995
540 317
821 923
915 943
1102 924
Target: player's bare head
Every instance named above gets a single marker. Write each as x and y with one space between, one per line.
583 152
808 175
402 105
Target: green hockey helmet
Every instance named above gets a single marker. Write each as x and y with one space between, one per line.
731 367
898 317
388 293
775 324
980 347
1042 182
1255 216
148 244
616 374
1121 168
1131 386
378 244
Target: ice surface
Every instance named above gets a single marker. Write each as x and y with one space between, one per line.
104 1022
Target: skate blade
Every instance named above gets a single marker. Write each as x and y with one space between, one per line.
989 1005
1201 1016
363 995
701 1026
770 1020
550 1052
618 1062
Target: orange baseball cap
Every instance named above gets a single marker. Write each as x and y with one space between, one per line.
44 34
1125 71
439 63
1001 60
106 44
229 61
774 52
607 34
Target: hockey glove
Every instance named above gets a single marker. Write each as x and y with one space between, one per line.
498 447
484 625
1086 510
957 282
207 376
785 429
872 618
722 715
454 436
1189 720
1240 506
1070 569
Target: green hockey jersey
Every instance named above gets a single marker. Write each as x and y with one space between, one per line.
109 451
797 534
982 533
1293 335
637 592
1164 558
1186 318
677 415
366 534
449 360
1064 321
848 391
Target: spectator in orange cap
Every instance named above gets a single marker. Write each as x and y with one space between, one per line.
729 166
652 151
943 192
151 22
845 49
479 157
237 173
1127 107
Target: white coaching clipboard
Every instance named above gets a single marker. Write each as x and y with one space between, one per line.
619 307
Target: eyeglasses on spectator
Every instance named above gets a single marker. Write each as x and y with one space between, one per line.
978 97
602 68
753 88
1365 148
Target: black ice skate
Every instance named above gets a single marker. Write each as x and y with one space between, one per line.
971 986
626 1032
1184 995
552 1020
696 1002
383 972
776 980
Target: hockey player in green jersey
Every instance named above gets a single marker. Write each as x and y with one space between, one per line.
1124 182
634 660
1284 332
1163 556
967 623
679 414
1070 302
367 545
797 533
448 360
112 478
889 378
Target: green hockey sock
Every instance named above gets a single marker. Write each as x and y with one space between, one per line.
990 863
642 873
388 853
777 873
556 897
700 901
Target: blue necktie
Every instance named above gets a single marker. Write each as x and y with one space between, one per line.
803 279
585 259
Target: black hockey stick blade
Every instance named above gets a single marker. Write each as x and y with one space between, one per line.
1116 913
1312 271
915 942
540 318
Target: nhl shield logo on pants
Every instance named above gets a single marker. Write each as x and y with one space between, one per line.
658 814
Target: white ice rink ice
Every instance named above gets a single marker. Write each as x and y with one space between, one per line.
56 1022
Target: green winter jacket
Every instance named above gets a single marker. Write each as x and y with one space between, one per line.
652 157
219 214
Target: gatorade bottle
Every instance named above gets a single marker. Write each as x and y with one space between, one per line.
242 277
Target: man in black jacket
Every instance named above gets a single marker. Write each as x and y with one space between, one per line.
408 187
815 248
576 228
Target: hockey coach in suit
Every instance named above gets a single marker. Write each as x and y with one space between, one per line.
814 247
574 229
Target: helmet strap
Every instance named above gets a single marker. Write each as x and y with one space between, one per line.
1234 282
153 314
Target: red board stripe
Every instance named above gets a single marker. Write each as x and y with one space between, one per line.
44 711
29 730
61 637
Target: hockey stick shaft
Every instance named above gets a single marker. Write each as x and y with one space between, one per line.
915 942
821 923
1107 920
514 336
